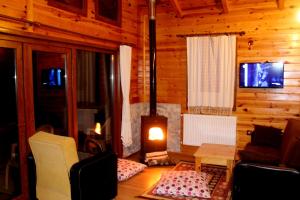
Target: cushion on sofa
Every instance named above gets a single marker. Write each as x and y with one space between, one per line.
183 184
260 154
266 136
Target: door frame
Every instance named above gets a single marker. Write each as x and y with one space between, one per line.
19 84
29 89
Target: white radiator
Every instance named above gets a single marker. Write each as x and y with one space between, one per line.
198 129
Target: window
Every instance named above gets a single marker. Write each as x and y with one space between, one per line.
109 11
76 6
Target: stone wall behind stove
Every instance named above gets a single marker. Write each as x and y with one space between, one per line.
171 111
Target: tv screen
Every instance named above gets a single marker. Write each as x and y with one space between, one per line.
53 77
261 75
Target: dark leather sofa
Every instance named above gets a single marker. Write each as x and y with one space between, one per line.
269 168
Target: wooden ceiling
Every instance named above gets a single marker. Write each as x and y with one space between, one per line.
185 8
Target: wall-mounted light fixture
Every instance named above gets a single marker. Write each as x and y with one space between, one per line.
250 44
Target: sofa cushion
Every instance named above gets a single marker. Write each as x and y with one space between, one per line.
260 154
266 136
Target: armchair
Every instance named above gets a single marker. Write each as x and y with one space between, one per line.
260 182
269 168
60 174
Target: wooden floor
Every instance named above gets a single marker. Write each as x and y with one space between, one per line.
138 184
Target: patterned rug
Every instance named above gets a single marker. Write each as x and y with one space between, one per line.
219 188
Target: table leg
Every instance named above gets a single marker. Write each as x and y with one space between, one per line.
229 169
198 164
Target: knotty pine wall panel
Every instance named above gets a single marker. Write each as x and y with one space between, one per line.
13 8
276 37
84 29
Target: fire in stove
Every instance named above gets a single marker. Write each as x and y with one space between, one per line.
153 134
156 133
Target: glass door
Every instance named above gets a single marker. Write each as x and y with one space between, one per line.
94 92
12 124
97 106
50 105
48 75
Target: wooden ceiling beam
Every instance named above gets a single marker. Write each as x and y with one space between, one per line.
225 6
177 7
280 4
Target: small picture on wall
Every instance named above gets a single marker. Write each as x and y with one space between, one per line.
76 6
108 11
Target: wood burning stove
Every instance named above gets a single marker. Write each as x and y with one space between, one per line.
148 144
154 121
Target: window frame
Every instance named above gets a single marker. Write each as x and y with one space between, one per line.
99 16
70 7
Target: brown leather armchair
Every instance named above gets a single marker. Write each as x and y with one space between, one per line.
269 146
269 171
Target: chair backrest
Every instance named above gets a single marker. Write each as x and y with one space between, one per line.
290 142
54 155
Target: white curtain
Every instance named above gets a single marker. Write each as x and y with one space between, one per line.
125 69
211 71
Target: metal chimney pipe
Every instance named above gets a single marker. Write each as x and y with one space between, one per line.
152 48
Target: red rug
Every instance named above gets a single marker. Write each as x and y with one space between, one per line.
219 188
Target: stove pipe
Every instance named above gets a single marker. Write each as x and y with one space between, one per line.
152 49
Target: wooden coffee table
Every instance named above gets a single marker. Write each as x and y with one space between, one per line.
215 154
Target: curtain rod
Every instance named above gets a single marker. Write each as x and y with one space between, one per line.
212 34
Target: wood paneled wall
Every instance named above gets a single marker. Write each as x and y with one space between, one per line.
276 37
85 30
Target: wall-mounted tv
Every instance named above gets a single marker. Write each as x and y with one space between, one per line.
53 78
261 75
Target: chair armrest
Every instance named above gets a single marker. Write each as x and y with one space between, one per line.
31 177
95 177
251 180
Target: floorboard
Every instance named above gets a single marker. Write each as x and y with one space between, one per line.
138 184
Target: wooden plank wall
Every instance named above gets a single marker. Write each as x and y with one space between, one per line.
71 26
275 33
276 37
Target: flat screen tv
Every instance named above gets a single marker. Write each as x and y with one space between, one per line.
261 75
53 78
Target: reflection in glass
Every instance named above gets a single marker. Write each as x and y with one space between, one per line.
93 94
9 152
49 92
